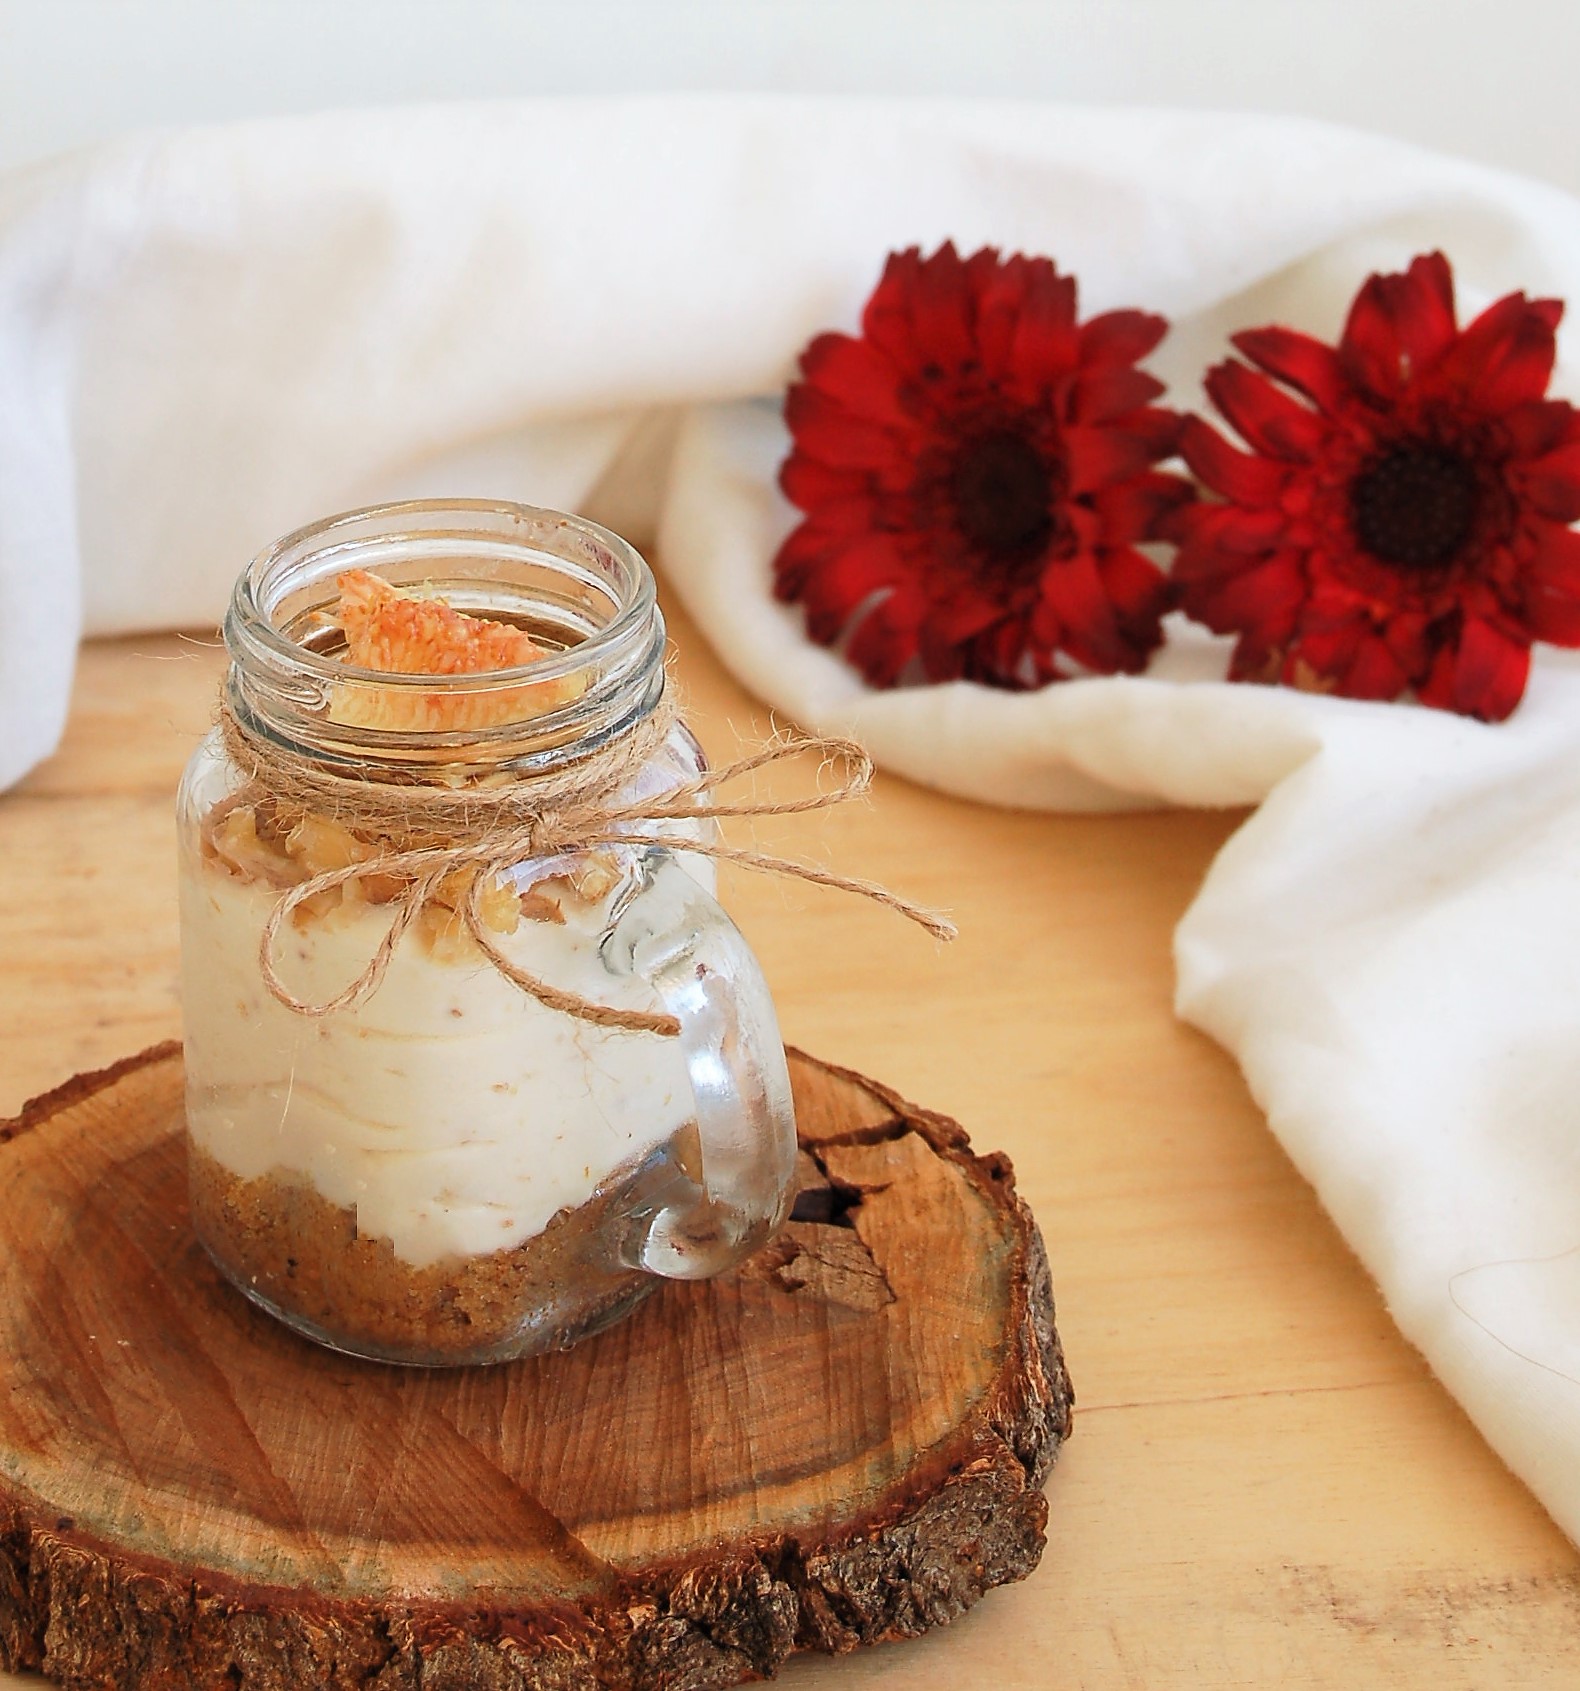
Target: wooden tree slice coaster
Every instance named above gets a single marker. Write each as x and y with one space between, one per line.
844 1441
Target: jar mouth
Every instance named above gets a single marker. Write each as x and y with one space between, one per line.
584 594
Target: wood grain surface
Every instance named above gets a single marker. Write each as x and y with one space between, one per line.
841 1442
1266 1486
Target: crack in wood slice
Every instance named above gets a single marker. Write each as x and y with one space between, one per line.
842 1442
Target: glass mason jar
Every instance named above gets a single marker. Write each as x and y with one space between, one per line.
451 1171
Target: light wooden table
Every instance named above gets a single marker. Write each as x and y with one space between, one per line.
1265 1487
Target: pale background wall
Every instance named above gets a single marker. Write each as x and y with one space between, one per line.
1494 79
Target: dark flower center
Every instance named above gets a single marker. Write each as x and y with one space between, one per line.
1004 496
1415 505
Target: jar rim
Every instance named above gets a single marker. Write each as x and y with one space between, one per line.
282 687
314 538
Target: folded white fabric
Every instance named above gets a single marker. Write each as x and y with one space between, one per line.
210 338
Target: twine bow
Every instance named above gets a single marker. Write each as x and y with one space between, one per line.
491 831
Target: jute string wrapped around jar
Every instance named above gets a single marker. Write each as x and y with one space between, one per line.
422 832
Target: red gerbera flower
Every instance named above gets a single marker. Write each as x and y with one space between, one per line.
975 470
1402 520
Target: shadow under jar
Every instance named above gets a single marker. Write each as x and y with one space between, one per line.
450 1171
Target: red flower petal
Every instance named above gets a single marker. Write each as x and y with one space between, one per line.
885 640
1483 675
999 290
1552 484
1326 645
1369 349
1159 428
1073 588
1269 420
826 430
1096 457
1506 356
852 574
1228 529
855 374
1136 509
1000 650
956 621
1373 672
1044 347
886 319
1121 337
808 483
1300 362
1105 395
1238 476
1421 305
804 551
1412 639
941 314
1399 326
1540 425
1136 586
1552 588
1264 598
1346 657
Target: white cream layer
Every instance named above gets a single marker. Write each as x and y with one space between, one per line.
454 1113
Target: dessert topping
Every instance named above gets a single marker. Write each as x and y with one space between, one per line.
402 633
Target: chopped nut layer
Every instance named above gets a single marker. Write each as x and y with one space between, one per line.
253 842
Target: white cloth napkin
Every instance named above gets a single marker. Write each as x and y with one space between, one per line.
207 339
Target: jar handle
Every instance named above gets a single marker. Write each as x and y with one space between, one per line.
677 937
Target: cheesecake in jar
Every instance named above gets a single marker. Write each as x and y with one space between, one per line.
474 1058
